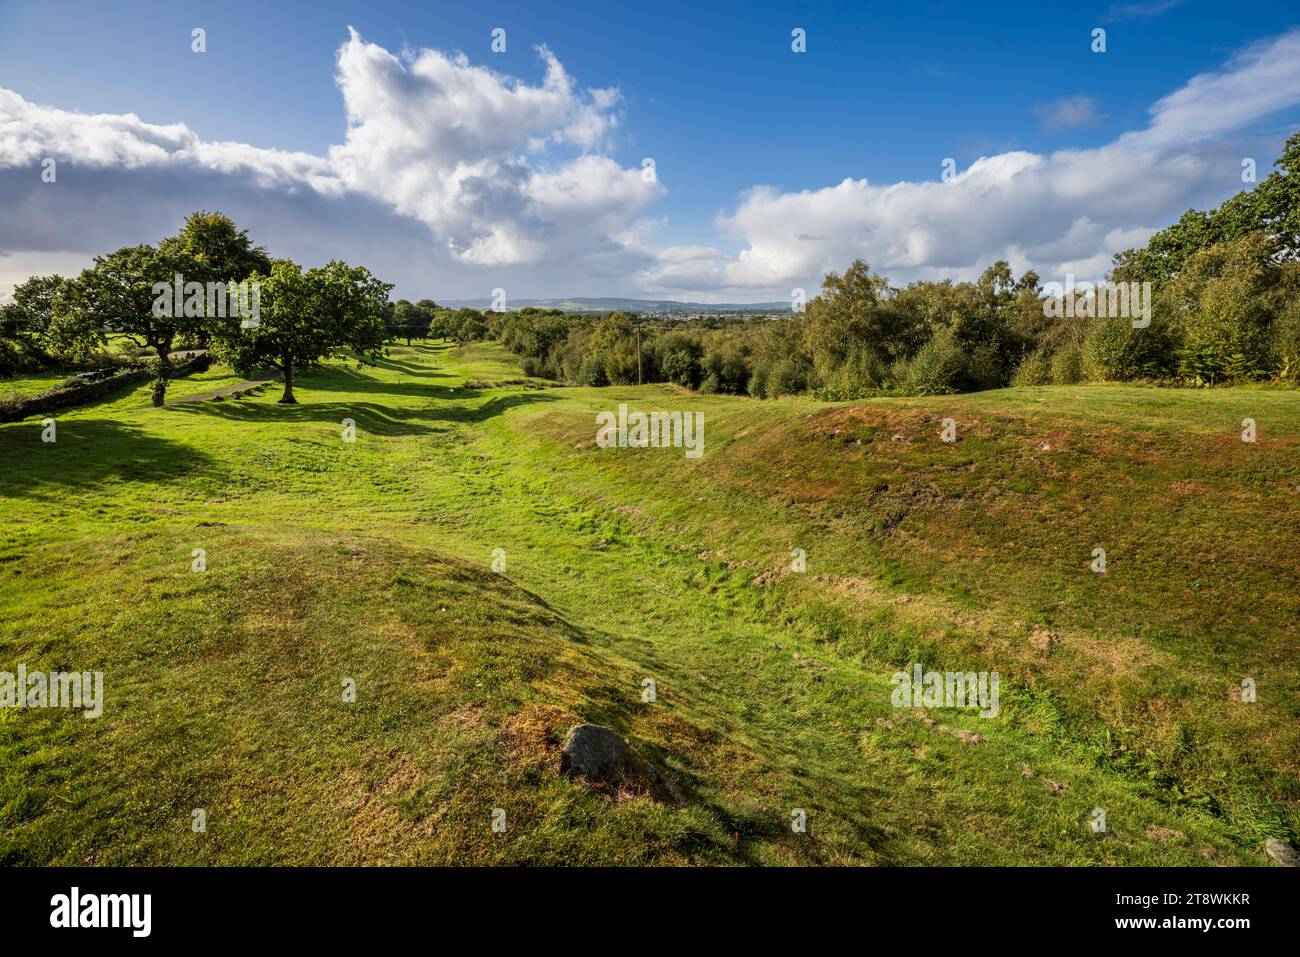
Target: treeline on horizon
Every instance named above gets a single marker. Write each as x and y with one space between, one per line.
1225 308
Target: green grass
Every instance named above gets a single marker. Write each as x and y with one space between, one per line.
31 384
370 561
136 396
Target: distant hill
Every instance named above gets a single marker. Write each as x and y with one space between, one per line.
612 304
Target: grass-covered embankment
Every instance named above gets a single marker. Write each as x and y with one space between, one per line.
370 561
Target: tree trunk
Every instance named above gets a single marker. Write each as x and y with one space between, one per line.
287 369
164 373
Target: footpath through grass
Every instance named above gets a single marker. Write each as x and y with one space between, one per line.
333 565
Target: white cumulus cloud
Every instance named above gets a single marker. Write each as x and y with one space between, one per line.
453 179
1069 210
501 173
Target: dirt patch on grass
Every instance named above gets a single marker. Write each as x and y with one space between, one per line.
532 737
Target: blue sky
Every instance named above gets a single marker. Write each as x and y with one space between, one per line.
712 92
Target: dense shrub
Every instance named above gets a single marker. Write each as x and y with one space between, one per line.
1066 364
1034 369
1286 341
1115 351
11 359
936 368
1224 304
592 371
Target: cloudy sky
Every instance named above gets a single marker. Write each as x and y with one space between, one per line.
659 150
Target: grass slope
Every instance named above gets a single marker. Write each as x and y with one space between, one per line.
370 561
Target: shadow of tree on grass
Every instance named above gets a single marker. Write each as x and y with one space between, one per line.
350 379
371 417
88 453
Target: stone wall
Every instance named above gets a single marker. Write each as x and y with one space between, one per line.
80 393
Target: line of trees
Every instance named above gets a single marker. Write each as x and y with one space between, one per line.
1225 307
428 320
305 316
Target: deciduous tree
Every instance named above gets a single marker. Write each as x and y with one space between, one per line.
307 316
118 292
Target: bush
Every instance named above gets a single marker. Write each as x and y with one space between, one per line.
726 367
10 359
680 368
1225 309
787 377
984 369
1286 341
936 367
773 378
1226 342
620 363
1034 369
592 370
471 331
1116 352
1067 364
861 373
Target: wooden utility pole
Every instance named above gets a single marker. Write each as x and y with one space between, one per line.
638 350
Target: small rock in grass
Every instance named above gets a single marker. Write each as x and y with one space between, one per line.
595 752
1282 853
598 754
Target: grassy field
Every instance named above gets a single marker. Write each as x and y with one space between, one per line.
367 564
31 384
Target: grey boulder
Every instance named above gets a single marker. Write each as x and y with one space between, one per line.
1282 852
596 752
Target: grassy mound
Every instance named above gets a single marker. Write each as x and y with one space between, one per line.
369 561
976 555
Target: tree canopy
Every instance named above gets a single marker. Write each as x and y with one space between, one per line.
309 315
